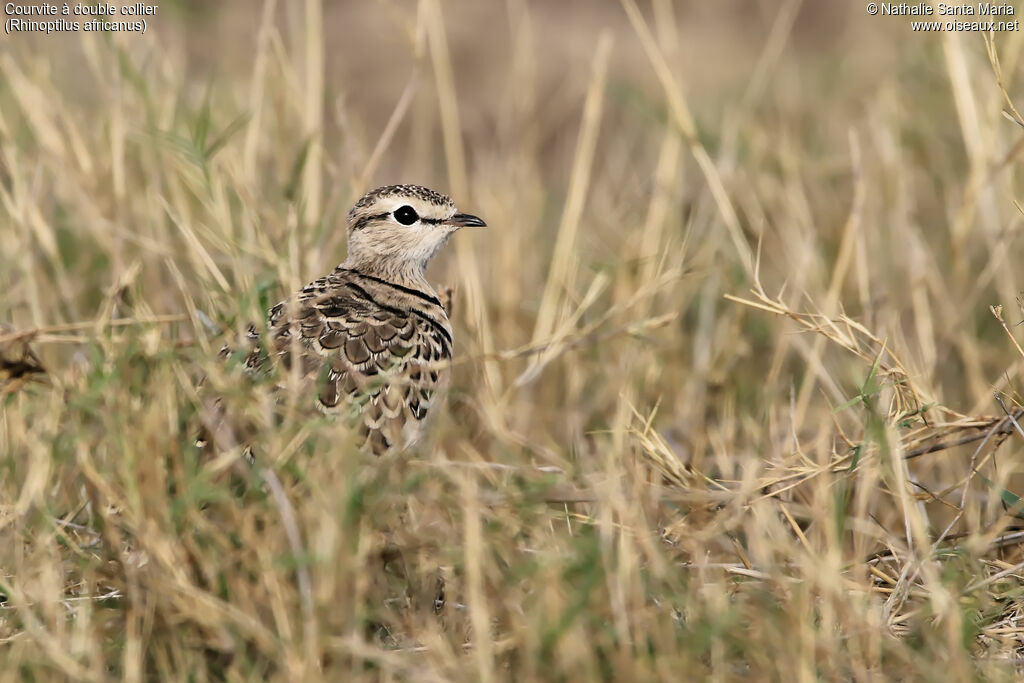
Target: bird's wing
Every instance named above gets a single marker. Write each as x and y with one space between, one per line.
370 358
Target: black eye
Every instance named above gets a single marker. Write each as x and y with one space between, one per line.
406 215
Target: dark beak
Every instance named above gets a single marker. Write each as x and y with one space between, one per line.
465 220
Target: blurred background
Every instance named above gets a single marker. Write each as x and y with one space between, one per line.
725 357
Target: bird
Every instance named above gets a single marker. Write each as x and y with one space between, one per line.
371 339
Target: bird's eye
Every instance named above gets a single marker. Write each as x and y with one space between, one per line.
406 215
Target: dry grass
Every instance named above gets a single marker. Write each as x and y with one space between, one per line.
736 384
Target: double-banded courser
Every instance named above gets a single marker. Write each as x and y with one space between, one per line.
371 337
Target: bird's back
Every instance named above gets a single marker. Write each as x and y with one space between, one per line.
369 350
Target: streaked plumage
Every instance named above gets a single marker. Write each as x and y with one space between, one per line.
372 337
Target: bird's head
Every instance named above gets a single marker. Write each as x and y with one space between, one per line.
401 227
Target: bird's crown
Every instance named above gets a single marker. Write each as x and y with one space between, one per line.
424 194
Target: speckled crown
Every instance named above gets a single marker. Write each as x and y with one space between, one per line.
417 191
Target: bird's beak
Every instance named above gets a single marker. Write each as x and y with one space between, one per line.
465 220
